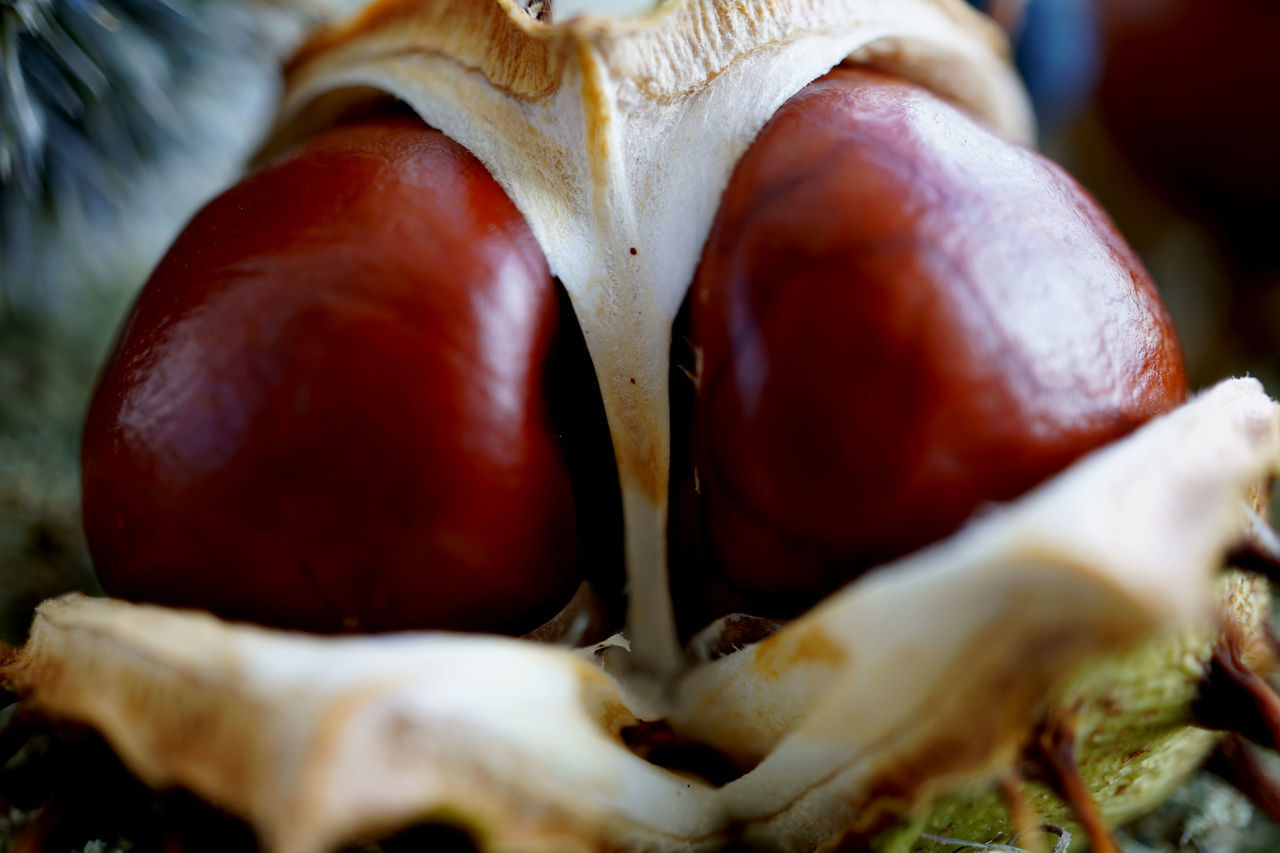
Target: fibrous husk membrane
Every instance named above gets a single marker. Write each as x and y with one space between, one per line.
913 687
920 680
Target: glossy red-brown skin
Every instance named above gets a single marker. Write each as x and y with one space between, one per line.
328 408
901 317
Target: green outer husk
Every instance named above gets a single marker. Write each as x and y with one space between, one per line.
1137 742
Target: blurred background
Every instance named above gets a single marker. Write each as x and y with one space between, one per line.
118 118
1169 112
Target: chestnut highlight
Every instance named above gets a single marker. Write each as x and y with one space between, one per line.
329 408
899 317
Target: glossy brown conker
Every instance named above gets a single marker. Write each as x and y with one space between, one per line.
901 316
328 409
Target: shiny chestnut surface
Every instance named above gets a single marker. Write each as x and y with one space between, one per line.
328 408
900 317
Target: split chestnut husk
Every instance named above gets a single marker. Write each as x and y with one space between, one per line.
1063 657
1095 601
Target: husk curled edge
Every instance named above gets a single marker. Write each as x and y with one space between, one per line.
855 714
905 695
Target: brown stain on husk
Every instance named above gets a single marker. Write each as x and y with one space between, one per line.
782 652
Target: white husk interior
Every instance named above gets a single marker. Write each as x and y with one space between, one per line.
316 741
612 135
629 145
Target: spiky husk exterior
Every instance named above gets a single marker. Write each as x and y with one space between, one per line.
89 79
117 118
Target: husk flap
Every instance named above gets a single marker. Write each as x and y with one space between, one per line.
615 139
923 678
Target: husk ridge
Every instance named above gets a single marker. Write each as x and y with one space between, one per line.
860 723
615 139
601 131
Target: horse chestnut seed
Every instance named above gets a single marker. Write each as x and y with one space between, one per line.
328 408
900 317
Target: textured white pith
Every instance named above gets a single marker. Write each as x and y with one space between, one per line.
620 135
618 157
318 740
